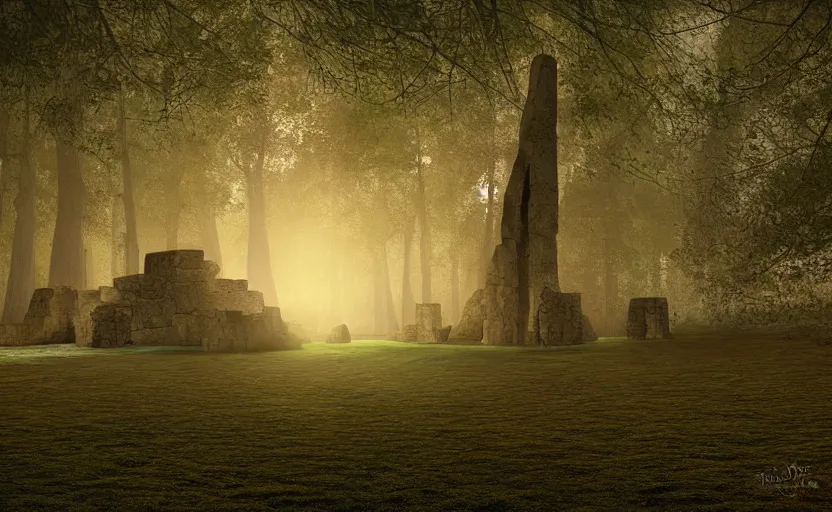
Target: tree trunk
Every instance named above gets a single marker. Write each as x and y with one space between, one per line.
131 249
210 236
488 244
379 297
424 229
610 275
335 286
4 157
66 265
408 303
471 275
21 283
208 232
454 285
174 208
392 322
118 261
259 257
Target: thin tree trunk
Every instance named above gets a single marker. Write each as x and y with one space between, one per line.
335 285
454 285
424 229
208 232
4 157
66 265
173 206
471 273
488 244
131 249
21 283
210 236
379 297
259 256
118 261
172 224
408 303
392 322
610 276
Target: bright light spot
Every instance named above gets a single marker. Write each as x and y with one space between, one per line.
482 192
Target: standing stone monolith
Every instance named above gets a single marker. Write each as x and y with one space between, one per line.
525 262
428 323
648 318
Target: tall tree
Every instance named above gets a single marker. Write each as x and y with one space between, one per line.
259 254
21 283
127 195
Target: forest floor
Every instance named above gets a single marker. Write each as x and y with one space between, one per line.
686 424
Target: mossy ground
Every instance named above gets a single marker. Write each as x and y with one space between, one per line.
687 424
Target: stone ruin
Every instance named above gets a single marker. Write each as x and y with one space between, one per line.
554 320
49 319
428 327
177 301
558 319
521 300
469 328
648 318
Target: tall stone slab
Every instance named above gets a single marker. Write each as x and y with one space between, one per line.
539 145
525 262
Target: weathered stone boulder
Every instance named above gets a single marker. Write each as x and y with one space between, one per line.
428 322
50 316
558 320
339 334
648 318
525 262
111 325
589 332
444 333
469 328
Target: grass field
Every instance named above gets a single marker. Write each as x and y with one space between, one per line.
687 424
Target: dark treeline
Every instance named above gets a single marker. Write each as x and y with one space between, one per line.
348 158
